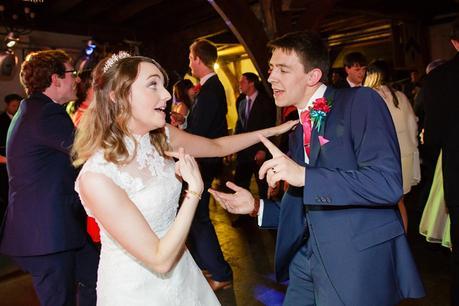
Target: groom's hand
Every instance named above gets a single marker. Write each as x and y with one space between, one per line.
280 167
240 202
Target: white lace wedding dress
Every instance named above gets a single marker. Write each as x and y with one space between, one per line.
150 182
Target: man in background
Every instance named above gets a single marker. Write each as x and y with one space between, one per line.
208 119
44 229
355 66
255 111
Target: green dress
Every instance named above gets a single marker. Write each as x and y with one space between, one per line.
435 223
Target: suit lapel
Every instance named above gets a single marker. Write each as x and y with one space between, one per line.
315 144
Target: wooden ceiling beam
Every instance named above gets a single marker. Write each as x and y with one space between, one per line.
60 7
314 15
98 31
269 15
189 15
96 8
295 5
411 17
248 30
125 12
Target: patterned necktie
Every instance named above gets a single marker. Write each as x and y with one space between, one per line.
306 122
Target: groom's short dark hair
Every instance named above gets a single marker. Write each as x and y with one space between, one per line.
309 47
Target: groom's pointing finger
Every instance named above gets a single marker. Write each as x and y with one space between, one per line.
270 146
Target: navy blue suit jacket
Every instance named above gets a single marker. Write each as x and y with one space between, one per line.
44 214
208 114
208 119
352 186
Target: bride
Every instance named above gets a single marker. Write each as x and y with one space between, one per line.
129 185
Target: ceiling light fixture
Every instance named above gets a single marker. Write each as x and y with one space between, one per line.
11 39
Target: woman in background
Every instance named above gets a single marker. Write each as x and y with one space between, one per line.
184 95
77 108
405 125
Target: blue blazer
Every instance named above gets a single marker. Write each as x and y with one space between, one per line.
352 186
44 214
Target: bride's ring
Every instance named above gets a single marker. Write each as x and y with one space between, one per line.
274 170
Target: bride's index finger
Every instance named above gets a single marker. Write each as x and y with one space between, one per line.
181 153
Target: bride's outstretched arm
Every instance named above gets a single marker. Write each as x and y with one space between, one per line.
124 222
198 146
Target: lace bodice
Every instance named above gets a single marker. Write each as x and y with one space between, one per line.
148 179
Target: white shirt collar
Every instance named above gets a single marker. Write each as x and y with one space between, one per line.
206 77
352 84
319 93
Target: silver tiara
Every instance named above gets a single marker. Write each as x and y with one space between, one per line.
114 58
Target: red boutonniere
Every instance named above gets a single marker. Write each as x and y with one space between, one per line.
197 88
319 110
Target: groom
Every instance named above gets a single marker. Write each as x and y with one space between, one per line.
340 237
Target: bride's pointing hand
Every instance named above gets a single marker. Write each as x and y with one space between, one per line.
188 169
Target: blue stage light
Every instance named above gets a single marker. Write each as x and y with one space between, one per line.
90 47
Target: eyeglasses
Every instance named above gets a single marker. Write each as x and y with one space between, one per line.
73 72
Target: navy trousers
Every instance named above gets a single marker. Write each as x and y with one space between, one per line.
202 239
309 284
66 278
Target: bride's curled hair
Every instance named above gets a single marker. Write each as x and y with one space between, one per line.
104 124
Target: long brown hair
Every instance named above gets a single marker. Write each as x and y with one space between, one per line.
104 125
180 91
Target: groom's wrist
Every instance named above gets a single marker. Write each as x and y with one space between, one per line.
256 208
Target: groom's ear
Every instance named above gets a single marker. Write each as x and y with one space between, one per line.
314 76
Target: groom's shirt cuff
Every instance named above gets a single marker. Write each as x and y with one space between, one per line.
260 212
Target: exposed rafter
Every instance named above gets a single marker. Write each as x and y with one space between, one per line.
130 9
59 7
97 8
248 30
314 14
